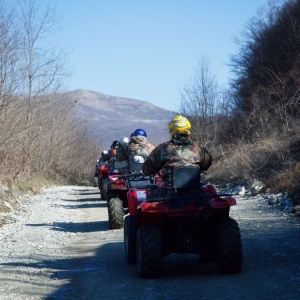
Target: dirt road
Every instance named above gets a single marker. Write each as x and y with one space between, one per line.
59 247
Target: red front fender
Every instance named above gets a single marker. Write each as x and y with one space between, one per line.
103 171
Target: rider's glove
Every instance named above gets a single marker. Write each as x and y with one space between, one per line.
139 159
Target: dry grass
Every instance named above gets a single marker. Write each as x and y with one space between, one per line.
274 160
287 180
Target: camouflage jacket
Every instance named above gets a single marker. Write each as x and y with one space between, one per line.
179 151
137 145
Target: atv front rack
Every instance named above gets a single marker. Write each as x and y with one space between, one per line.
137 180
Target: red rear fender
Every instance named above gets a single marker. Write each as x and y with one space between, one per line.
209 188
154 207
222 202
135 198
117 182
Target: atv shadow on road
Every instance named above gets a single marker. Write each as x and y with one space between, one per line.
91 193
83 200
85 205
75 227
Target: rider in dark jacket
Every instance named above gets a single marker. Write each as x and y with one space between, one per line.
110 154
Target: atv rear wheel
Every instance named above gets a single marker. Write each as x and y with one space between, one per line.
229 259
129 242
149 252
115 212
103 186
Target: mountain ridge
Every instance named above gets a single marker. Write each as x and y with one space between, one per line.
109 118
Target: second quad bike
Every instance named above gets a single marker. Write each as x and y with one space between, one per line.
117 195
105 167
191 218
123 175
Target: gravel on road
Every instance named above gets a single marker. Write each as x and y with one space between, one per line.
59 247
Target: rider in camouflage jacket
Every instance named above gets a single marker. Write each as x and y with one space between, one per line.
179 151
138 145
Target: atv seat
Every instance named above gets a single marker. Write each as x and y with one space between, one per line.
135 163
185 178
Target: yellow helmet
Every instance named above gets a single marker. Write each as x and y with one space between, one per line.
180 124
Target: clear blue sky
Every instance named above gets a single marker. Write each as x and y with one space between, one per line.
148 49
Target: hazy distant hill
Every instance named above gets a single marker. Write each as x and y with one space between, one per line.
109 118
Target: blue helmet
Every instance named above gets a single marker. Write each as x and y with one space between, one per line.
140 132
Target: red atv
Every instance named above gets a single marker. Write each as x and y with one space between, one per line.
123 176
105 167
117 194
103 174
192 218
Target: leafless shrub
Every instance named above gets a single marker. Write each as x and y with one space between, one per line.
39 135
202 102
287 181
266 159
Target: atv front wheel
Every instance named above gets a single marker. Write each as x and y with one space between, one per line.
103 186
149 252
129 242
230 247
115 212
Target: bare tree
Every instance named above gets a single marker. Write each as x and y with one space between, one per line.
267 70
39 133
202 101
41 66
